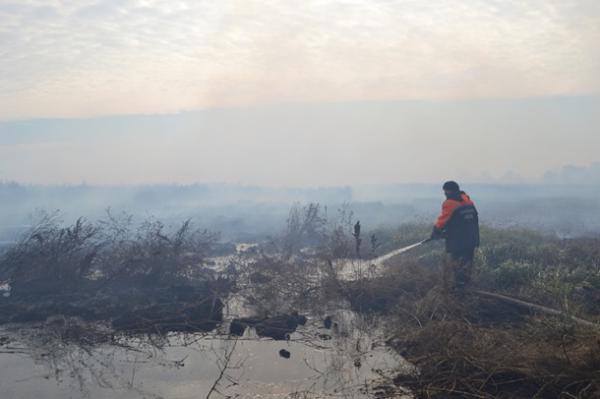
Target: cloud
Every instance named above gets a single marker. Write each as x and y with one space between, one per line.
63 58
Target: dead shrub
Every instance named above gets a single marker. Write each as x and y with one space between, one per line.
57 258
52 255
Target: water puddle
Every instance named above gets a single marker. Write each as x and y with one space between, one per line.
336 354
347 360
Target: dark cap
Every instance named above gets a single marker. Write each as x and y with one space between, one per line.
451 186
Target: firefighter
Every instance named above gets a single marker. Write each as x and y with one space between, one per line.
458 224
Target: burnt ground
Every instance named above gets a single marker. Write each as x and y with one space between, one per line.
277 327
128 307
138 307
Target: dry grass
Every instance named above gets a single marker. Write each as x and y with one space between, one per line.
473 347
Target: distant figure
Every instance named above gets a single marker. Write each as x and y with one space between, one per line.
459 225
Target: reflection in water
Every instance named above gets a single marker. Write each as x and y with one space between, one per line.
59 360
346 357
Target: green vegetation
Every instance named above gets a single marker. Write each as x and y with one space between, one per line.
560 273
563 274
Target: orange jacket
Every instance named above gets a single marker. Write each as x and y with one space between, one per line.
448 208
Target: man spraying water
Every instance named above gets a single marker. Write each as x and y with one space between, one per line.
458 224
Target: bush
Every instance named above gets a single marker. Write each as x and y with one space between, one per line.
151 253
52 254
65 258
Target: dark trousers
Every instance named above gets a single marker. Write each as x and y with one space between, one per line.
458 269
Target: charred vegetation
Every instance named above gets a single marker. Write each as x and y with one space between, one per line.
144 277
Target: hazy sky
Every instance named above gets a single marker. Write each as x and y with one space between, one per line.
82 59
